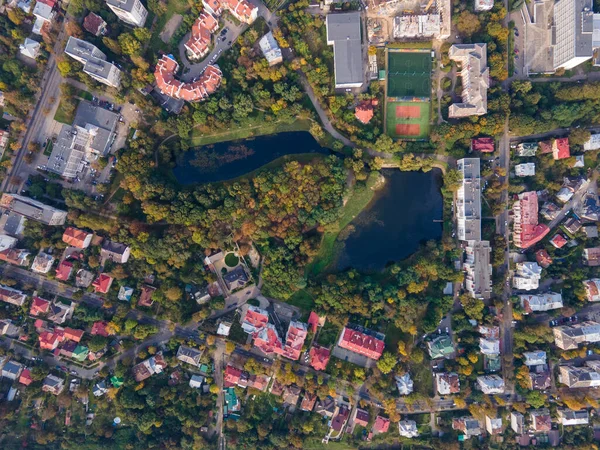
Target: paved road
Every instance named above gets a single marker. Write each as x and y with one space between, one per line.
218 362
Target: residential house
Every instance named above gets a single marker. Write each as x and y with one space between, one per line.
151 366
198 45
32 209
408 428
365 110
592 289
541 302
53 384
364 342
17 257
294 340
236 278
267 340
42 263
440 347
196 381
102 283
572 225
527 277
12 370
308 402
339 421
483 145
49 340
80 353
202 88
277 388
291 395
525 170
527 231
254 320
189 355
25 377
493 425
468 425
8 329
489 346
591 231
99 329
558 147
100 388
115 252
535 358
558 241
270 48
319 357
83 278
569 187
404 384
224 328
568 337
7 242
30 48
125 293
132 12
39 306
517 422
63 271
360 417
60 312
94 24
326 407
242 10
527 148
44 13
550 211
540 421
472 59
543 258
73 335
344 34
491 384
77 238
146 296
381 425
580 377
591 256
67 349
569 417
483 5
447 383
12 296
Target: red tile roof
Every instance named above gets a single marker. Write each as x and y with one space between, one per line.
313 321
75 237
319 357
50 3
39 324
294 340
207 84
361 343
543 258
527 230
232 376
558 241
361 417
93 23
25 377
255 319
364 111
268 340
560 148
200 36
146 296
484 144
39 306
48 340
73 335
99 328
381 425
63 271
102 283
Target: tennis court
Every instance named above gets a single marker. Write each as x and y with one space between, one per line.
409 74
407 120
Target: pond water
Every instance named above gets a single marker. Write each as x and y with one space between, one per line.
402 215
228 160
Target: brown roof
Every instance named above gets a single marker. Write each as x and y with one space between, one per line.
93 23
146 296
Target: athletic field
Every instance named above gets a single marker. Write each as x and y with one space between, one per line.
408 93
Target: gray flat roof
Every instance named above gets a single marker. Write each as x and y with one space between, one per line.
103 119
344 33
83 49
126 5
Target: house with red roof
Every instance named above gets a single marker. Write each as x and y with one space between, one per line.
543 258
198 44
319 357
102 283
25 377
381 425
527 229
146 296
94 24
242 10
294 340
267 340
313 321
560 148
74 237
364 111
367 343
39 306
99 329
254 320
49 340
232 376
483 145
361 417
205 85
73 335
559 241
63 271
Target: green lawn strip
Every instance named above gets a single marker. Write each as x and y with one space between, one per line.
302 299
62 116
328 334
422 378
251 131
360 198
48 149
173 7
85 95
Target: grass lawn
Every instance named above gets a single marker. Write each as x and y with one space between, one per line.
84 95
48 149
236 334
316 444
358 200
173 7
199 139
302 299
328 334
422 378
62 116
231 260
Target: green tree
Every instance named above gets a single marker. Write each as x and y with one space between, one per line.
129 44
386 363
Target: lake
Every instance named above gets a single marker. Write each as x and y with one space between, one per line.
228 160
396 221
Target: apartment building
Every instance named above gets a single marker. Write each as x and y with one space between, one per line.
94 62
468 200
132 12
568 337
475 77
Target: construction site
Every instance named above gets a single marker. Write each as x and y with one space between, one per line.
394 20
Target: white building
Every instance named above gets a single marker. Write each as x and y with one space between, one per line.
537 358
475 77
593 143
484 5
592 289
527 276
569 417
94 62
270 48
517 422
344 34
129 11
7 242
568 337
42 263
541 302
404 384
489 346
573 28
44 14
447 383
525 170
408 428
493 425
491 384
478 269
30 48
468 200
